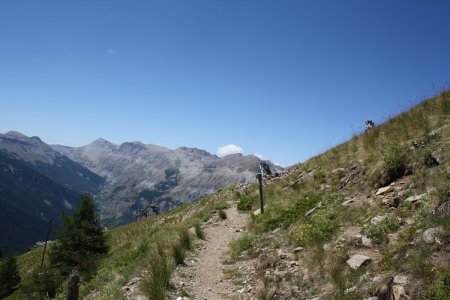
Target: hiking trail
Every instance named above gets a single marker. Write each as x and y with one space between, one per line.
203 275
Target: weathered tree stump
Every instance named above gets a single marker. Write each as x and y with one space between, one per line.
73 285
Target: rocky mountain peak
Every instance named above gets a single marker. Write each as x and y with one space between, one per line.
101 143
27 148
196 152
132 146
16 135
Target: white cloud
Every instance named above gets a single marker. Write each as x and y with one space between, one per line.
258 156
111 52
229 149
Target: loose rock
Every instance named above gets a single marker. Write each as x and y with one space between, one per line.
358 260
429 235
399 292
415 198
384 190
377 219
401 279
367 242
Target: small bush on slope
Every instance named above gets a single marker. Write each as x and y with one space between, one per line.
184 238
159 270
199 232
321 226
222 214
240 245
275 217
378 232
178 253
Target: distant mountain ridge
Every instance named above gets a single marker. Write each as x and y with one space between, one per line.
137 174
39 181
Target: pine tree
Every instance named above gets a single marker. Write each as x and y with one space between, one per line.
9 276
82 240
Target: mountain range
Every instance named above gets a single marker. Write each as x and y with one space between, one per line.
39 181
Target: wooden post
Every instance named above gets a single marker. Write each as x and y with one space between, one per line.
261 196
73 285
46 240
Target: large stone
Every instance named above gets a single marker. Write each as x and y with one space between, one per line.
348 202
377 219
429 235
401 279
399 293
358 260
384 190
438 155
298 250
309 176
415 198
258 211
443 209
367 242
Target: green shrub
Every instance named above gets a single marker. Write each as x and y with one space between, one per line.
395 159
320 176
9 276
378 232
319 229
240 245
276 217
370 139
199 232
394 165
155 284
440 290
142 248
246 202
445 102
222 214
44 284
221 205
184 237
178 253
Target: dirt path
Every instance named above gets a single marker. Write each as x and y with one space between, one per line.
204 278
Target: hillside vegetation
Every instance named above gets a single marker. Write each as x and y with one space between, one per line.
368 218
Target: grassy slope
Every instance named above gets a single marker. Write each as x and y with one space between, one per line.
132 246
371 157
369 161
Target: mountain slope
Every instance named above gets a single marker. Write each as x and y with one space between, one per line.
36 184
39 182
28 200
137 174
368 219
50 163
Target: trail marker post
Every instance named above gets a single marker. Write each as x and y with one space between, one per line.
261 196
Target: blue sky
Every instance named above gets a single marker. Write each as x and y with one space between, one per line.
284 79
